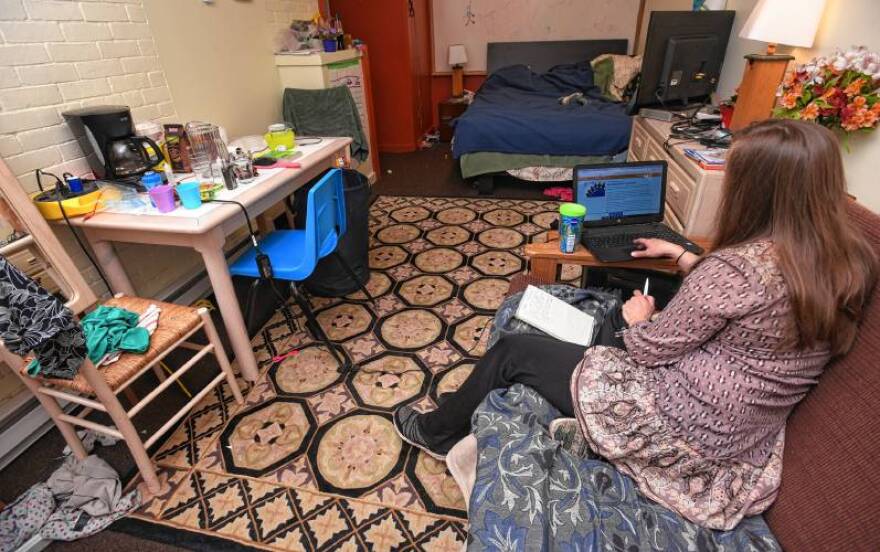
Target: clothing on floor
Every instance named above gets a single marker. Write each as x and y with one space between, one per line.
326 112
110 330
80 499
32 319
529 493
543 363
91 438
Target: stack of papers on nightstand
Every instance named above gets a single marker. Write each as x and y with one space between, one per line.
710 159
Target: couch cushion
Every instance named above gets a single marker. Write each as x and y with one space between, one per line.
830 494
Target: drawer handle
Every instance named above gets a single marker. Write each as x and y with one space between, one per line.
674 187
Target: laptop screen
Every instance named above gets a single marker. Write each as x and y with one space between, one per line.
620 191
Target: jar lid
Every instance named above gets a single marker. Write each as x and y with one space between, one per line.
572 210
277 127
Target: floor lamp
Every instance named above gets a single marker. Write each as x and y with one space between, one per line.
790 22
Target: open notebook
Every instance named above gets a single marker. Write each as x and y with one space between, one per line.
555 317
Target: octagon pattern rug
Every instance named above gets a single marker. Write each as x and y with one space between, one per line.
311 460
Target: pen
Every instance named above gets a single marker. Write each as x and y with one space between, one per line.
647 283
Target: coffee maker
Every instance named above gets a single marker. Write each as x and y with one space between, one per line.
106 135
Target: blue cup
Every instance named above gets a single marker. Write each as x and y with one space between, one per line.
190 195
150 180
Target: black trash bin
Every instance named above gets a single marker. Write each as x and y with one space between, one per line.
329 278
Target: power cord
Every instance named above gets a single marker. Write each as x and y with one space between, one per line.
264 263
59 195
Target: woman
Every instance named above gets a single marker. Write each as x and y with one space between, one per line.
694 407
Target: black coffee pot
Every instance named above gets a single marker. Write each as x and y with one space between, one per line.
106 135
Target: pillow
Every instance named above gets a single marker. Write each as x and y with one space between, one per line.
623 69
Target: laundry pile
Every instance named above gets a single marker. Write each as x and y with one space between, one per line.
81 498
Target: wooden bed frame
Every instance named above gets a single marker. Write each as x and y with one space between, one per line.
540 57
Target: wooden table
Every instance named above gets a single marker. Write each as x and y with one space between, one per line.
546 257
205 231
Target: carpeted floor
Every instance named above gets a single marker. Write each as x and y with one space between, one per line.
433 172
311 460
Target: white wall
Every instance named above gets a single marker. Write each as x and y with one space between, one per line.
845 23
219 58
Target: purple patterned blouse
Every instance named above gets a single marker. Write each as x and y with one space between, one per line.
726 376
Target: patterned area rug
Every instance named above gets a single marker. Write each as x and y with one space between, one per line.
311 460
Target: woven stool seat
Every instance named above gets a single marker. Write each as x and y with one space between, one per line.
175 321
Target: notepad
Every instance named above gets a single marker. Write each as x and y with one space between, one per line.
555 317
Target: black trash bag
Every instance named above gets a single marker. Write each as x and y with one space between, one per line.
329 278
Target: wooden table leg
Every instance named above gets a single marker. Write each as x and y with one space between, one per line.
544 268
211 249
106 257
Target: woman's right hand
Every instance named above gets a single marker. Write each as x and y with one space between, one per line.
652 248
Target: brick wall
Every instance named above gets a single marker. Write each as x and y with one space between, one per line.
61 55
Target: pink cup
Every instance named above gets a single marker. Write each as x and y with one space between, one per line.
163 197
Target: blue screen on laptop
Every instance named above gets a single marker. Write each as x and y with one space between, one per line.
611 193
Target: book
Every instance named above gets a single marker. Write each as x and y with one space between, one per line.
555 317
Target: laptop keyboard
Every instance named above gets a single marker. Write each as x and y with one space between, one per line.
610 241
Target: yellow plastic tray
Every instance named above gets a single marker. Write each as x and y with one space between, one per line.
73 207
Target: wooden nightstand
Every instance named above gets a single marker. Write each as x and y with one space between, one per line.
449 110
693 194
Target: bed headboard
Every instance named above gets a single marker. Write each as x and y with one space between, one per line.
541 56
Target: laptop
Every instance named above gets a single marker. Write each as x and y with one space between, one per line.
624 201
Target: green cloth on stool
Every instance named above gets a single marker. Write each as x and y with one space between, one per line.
110 329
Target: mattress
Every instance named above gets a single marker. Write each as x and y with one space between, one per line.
517 111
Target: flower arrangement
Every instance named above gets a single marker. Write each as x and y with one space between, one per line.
838 91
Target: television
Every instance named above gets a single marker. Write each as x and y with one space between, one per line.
684 52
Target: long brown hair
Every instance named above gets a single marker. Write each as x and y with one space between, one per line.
784 182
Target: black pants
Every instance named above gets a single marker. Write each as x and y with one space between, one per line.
543 363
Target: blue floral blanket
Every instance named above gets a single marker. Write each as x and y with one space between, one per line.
533 495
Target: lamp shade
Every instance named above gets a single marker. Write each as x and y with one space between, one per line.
790 22
457 55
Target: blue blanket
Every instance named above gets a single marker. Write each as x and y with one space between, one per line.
531 495
518 111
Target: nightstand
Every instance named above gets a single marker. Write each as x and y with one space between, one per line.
448 110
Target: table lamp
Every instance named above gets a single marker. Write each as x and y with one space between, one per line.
457 59
789 22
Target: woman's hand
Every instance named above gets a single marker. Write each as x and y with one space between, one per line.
656 249
639 308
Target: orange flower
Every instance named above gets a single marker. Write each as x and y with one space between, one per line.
789 101
870 119
798 90
859 102
810 112
789 79
876 108
855 87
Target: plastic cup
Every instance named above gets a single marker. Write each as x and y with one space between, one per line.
571 220
190 194
163 197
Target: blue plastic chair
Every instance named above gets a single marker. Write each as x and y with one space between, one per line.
294 254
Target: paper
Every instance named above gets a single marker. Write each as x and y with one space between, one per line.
555 317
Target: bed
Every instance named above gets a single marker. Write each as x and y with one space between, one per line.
516 124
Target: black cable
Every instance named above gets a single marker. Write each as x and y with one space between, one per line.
59 186
264 263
